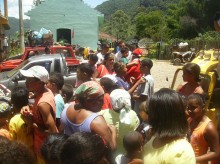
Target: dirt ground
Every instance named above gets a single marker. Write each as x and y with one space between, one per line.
163 72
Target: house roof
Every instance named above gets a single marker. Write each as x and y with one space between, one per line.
103 35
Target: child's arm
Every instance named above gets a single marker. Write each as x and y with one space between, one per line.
140 81
212 138
132 63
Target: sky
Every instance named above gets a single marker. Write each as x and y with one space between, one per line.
27 5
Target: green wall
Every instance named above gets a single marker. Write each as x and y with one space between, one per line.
71 14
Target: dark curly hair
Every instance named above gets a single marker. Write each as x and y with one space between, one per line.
12 152
84 148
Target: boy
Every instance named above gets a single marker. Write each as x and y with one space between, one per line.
132 142
144 90
144 128
67 94
55 84
19 129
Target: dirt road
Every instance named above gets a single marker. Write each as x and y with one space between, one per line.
163 72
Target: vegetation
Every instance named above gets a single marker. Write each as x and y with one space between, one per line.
159 19
165 22
14 27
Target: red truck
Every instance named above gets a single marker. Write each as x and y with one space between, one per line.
32 51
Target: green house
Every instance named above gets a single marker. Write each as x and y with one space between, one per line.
72 19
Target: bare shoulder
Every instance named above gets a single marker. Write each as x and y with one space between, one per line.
180 86
210 128
199 90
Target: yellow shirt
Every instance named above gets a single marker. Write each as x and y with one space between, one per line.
20 132
176 152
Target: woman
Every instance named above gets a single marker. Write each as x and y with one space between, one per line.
105 68
82 117
191 80
168 143
122 116
121 70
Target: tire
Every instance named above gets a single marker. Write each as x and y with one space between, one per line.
177 61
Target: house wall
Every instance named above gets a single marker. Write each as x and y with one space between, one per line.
71 14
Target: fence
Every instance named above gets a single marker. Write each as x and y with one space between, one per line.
165 52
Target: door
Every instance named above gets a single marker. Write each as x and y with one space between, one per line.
64 34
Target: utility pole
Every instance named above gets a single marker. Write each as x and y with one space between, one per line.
21 26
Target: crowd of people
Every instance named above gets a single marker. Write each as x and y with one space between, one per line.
111 115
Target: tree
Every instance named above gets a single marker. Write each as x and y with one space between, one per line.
120 25
152 25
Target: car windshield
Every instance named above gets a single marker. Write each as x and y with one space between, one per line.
13 71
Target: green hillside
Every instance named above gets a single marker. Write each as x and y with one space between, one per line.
131 7
14 26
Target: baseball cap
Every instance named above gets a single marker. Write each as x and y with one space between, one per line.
137 52
38 72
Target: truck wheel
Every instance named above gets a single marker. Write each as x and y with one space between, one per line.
177 61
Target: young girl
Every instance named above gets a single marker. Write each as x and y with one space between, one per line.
167 117
203 133
191 80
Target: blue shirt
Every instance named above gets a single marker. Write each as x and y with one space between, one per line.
59 105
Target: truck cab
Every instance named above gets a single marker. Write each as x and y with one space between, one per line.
52 63
39 50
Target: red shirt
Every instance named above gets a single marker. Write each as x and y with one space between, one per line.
107 102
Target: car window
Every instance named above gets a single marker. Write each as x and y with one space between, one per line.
46 64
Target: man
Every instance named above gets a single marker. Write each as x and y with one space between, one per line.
104 51
5 45
118 55
44 110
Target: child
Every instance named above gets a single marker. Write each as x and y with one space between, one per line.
55 84
132 142
84 73
67 94
144 128
93 58
108 85
144 90
133 68
124 52
51 147
203 134
85 148
12 152
5 114
19 128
